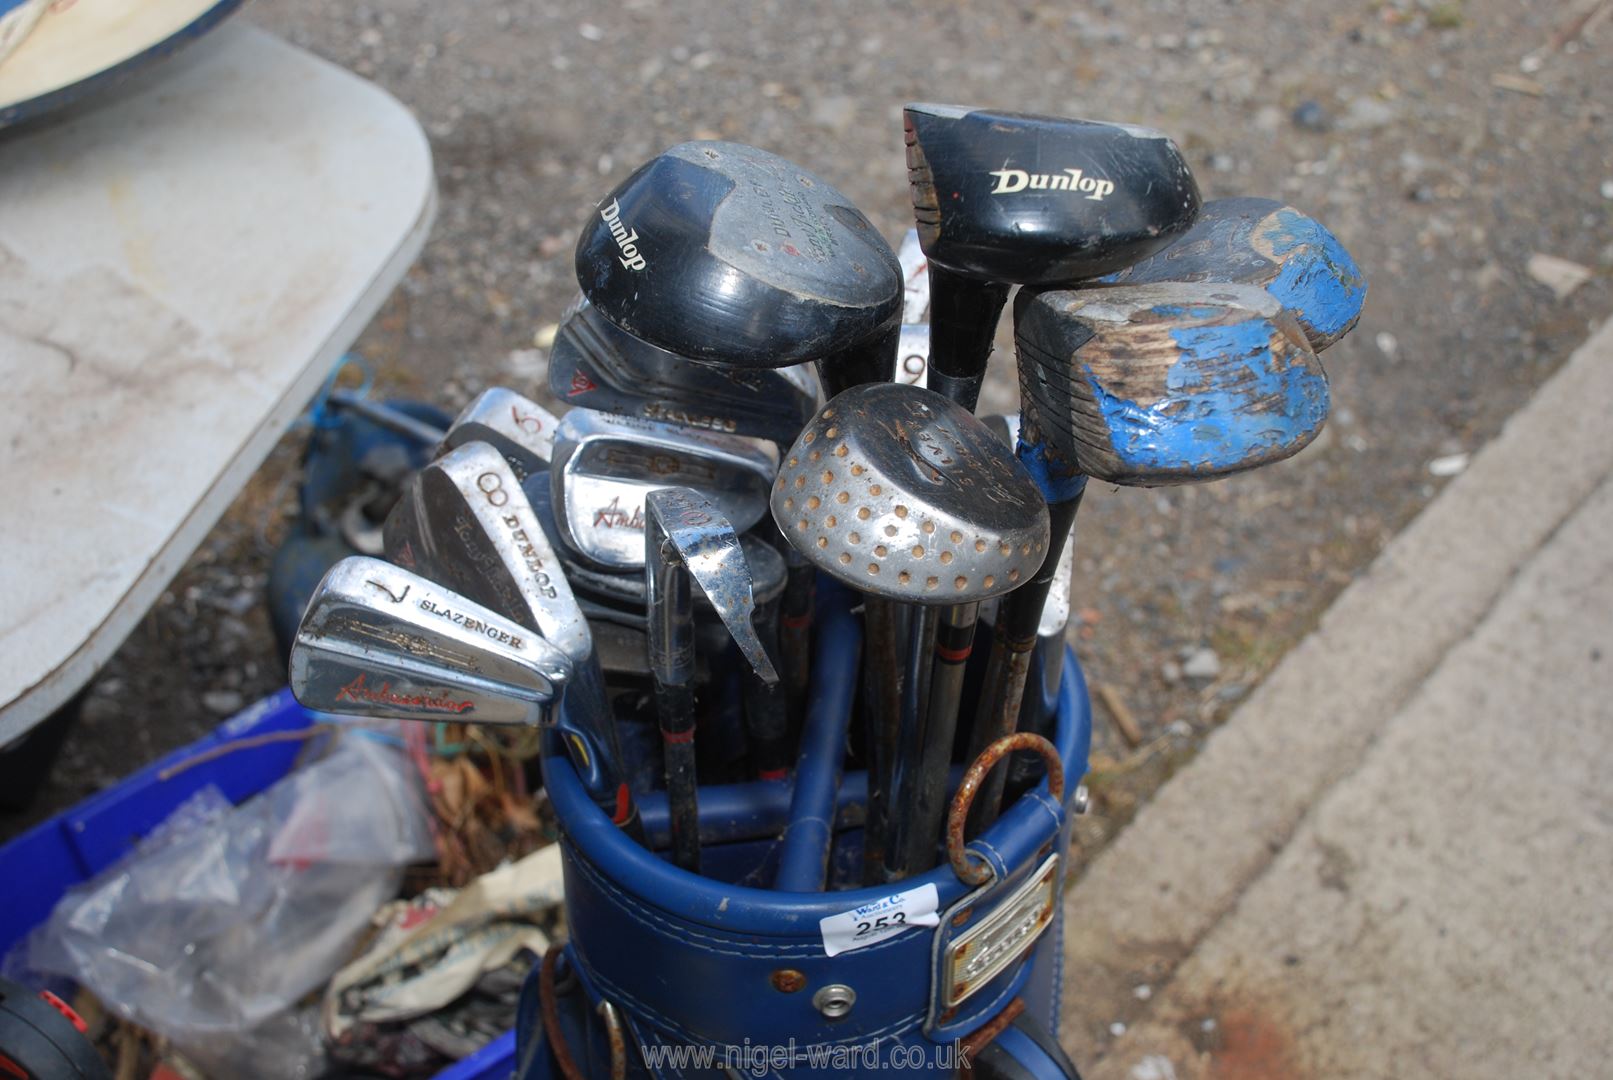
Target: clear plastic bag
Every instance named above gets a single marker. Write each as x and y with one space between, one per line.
212 930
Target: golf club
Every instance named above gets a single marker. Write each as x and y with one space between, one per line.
596 365
1141 386
687 540
1007 198
727 254
605 465
376 640
1262 242
463 521
901 493
515 426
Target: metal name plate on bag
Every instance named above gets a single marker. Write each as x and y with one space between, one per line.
974 958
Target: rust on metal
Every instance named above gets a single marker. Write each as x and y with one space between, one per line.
788 980
551 1017
974 871
983 1035
617 1039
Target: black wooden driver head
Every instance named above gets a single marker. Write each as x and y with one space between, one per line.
1008 197
725 253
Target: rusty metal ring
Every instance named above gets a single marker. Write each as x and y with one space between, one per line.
618 1041
551 1016
975 871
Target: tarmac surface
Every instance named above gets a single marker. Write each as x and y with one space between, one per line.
1395 859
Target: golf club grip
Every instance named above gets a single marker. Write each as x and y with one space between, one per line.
963 323
674 704
1003 691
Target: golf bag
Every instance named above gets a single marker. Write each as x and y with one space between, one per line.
670 974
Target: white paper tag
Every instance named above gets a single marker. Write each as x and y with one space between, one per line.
879 920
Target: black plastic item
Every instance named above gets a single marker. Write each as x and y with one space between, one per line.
26 761
42 1038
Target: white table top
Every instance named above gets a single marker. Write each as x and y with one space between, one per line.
180 266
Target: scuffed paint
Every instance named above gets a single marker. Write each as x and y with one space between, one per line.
1058 482
1231 401
1324 288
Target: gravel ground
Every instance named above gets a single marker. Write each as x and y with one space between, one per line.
1446 143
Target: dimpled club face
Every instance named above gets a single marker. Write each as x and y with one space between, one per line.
722 252
1038 199
1263 242
1162 384
899 492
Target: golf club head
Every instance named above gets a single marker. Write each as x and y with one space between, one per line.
1147 385
464 521
604 466
1263 242
515 426
899 492
596 365
684 532
377 640
728 254
1009 197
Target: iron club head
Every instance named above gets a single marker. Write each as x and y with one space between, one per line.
515 426
605 465
685 533
377 640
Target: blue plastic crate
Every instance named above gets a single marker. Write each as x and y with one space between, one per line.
37 868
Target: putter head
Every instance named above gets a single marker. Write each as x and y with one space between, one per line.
377 640
605 465
596 365
515 426
464 521
727 254
1146 385
1263 242
899 492
1008 197
685 532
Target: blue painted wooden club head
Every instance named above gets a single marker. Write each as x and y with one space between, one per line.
1147 385
1262 242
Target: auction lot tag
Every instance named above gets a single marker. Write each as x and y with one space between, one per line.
879 920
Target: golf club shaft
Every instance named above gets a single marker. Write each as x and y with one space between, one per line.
882 710
1003 689
804 852
766 711
963 322
388 417
925 750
